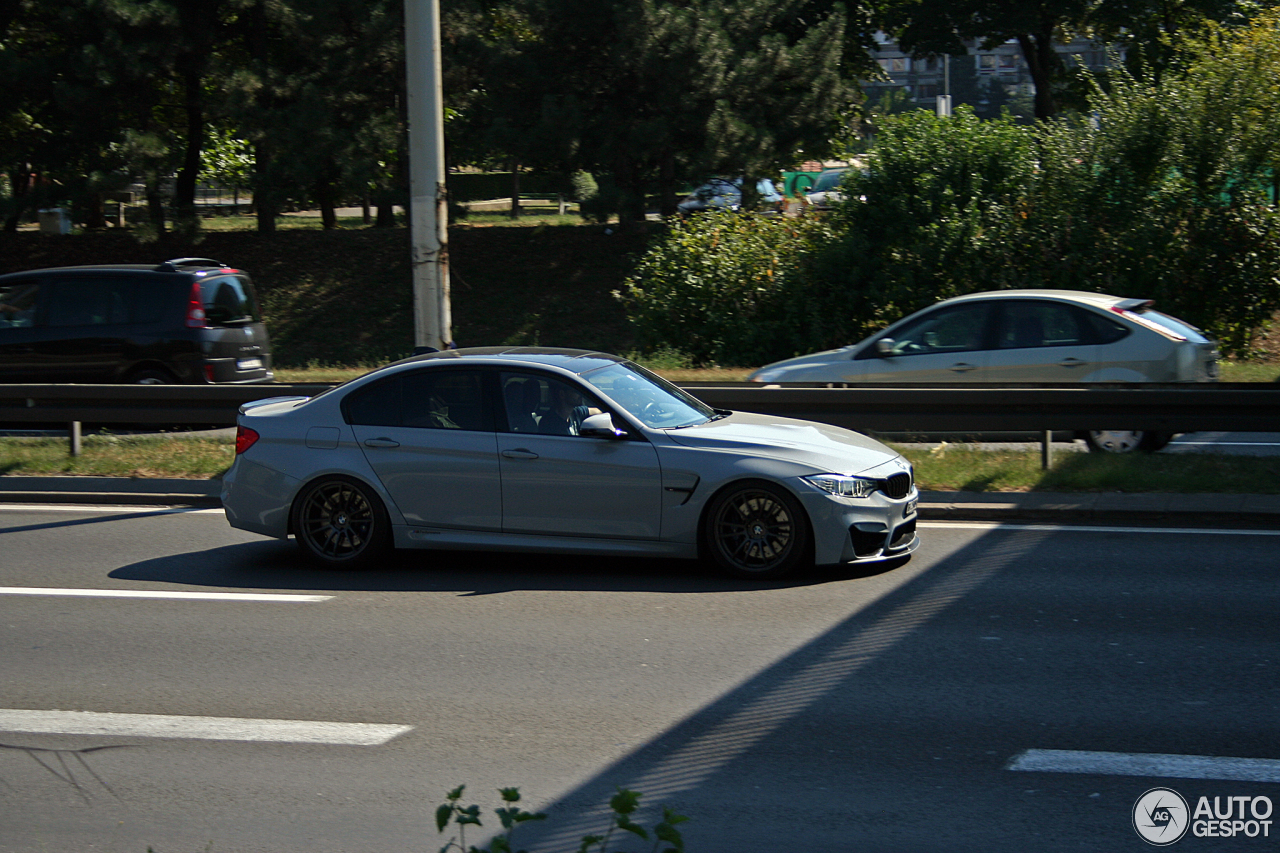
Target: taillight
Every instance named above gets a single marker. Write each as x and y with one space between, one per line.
245 438
208 373
195 308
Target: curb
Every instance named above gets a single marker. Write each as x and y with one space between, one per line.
111 491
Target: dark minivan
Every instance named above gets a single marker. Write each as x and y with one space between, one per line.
188 320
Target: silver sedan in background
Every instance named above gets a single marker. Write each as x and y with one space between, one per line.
1027 336
550 450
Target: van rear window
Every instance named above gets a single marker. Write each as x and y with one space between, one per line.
227 300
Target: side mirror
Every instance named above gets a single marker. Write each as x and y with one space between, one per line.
884 346
600 426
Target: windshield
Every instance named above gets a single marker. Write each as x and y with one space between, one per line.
828 181
647 397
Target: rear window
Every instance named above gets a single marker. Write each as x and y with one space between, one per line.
228 300
1173 324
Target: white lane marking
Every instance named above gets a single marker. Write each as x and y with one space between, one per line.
198 728
1229 443
131 509
1082 528
1147 764
166 594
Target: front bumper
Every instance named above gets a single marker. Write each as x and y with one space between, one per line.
862 530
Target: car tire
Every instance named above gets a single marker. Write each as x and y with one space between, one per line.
755 529
341 523
1125 440
150 377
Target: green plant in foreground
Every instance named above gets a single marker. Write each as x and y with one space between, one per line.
624 804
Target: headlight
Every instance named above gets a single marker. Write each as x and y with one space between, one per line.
843 486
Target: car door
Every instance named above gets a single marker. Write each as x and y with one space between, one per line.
558 483
428 435
18 307
1042 341
82 335
947 344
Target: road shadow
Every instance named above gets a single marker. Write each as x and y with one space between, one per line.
279 566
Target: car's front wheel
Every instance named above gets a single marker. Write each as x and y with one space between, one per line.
1125 440
340 522
756 529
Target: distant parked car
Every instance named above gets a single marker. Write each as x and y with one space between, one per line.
188 320
826 191
724 194
1038 336
560 451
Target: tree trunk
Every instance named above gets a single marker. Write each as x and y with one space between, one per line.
185 187
1042 63
264 193
21 181
667 185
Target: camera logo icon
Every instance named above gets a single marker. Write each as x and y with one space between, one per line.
1161 816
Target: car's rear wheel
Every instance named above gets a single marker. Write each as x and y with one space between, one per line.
341 523
756 529
150 377
1125 440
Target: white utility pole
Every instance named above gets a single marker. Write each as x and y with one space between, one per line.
428 210
944 100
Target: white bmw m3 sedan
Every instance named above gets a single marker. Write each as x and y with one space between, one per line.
555 450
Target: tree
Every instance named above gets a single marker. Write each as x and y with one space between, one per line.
1166 192
944 26
655 91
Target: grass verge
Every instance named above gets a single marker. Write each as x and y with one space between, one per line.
950 467
180 455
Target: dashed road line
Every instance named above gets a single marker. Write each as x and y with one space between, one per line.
164 594
1147 764
198 728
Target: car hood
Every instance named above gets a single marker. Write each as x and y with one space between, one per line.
825 448
792 369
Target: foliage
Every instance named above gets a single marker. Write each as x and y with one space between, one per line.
654 93
935 215
623 804
721 288
1166 192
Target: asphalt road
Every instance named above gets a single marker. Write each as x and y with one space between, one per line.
885 712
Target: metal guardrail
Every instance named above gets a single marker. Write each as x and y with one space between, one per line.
1237 407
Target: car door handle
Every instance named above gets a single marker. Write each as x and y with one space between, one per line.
521 453
381 442
1072 362
963 367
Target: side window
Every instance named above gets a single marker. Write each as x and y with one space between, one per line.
424 399
446 399
1102 330
377 404
958 328
544 405
18 305
90 302
1040 324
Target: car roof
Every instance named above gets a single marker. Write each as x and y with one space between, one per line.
1097 300
577 361
176 265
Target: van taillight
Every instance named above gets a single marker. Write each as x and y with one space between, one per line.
195 308
245 438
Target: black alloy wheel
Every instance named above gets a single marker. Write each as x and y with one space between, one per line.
341 523
756 529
